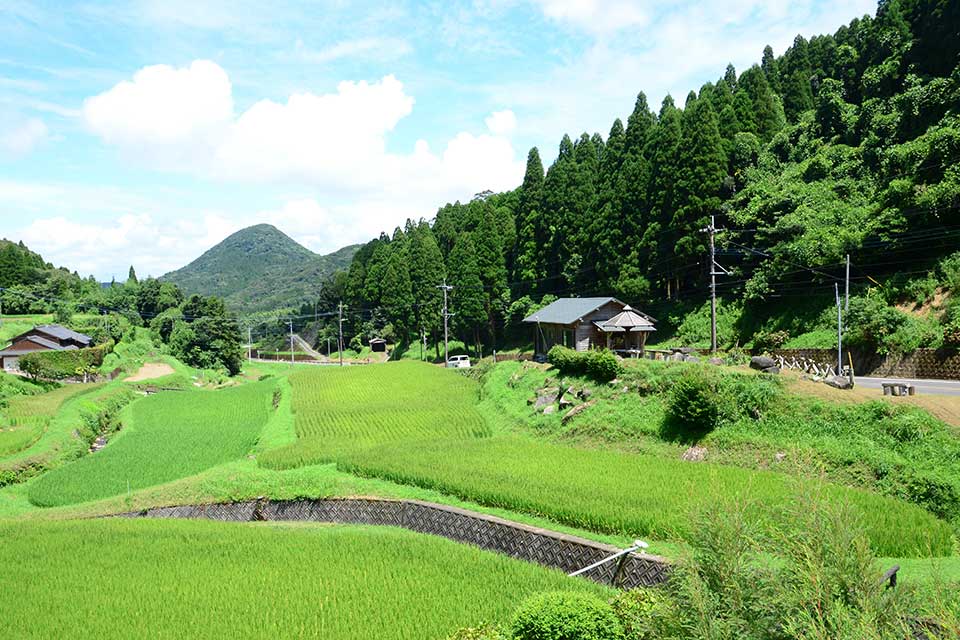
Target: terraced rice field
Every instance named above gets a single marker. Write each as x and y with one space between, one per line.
167 436
338 409
628 494
27 417
174 579
393 423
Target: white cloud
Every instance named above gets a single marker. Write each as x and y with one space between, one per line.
501 123
598 16
22 137
334 144
164 108
154 246
377 48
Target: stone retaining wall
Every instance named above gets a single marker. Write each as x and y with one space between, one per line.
549 548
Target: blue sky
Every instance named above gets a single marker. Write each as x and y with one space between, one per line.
146 131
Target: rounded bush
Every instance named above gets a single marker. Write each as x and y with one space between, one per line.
563 615
695 402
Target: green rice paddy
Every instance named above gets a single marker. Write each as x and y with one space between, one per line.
166 437
174 579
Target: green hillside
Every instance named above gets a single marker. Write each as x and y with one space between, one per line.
259 268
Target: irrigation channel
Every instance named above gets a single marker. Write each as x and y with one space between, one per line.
543 546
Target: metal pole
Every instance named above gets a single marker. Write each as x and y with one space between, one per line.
340 337
846 288
446 352
249 343
836 289
713 290
291 342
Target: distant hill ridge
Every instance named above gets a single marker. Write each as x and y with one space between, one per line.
260 268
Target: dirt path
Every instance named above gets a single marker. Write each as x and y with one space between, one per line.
150 371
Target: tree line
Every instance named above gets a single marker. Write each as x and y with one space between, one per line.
844 144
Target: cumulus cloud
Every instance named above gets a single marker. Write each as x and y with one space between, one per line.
501 123
154 246
334 142
22 137
170 112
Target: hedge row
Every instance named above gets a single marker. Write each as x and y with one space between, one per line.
60 365
600 365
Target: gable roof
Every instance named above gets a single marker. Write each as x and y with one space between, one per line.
569 310
62 333
50 345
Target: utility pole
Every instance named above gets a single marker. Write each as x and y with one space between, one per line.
846 288
712 230
446 316
836 289
291 342
249 343
340 338
328 347
423 343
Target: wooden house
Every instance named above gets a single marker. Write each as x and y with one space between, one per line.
585 323
50 337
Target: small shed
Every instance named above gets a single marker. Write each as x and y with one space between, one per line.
584 323
378 345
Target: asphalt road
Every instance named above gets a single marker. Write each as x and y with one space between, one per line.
927 387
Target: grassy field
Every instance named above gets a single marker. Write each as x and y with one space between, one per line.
627 494
167 436
355 407
28 416
429 439
174 579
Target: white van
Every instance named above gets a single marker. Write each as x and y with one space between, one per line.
458 362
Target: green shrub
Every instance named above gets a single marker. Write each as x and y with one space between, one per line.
765 341
60 365
601 365
564 615
694 404
483 632
638 611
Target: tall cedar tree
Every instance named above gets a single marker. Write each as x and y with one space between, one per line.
656 245
531 228
427 271
467 297
608 213
702 168
493 271
397 296
558 188
635 179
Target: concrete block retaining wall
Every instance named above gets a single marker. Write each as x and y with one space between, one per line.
549 548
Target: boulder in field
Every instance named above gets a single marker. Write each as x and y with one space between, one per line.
838 382
715 360
576 411
774 370
762 362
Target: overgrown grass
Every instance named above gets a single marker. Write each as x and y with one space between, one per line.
353 407
28 416
412 424
175 579
623 493
167 436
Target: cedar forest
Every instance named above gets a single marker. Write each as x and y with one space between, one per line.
847 144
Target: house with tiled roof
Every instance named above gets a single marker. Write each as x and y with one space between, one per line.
586 323
48 337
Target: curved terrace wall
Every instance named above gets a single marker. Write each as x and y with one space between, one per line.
549 548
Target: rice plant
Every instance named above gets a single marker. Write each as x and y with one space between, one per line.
175 579
165 437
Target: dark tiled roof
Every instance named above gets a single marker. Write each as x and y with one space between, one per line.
43 342
568 310
62 333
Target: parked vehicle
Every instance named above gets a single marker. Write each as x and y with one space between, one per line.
458 362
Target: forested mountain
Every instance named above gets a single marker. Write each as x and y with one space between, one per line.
259 268
844 144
